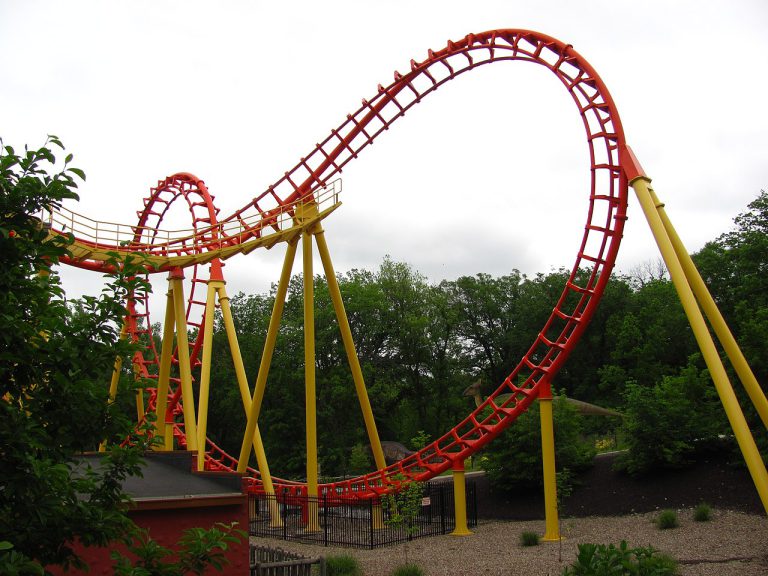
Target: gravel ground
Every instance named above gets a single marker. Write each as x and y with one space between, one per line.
731 544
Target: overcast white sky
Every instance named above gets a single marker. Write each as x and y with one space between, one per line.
486 175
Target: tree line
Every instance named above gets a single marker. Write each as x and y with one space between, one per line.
421 344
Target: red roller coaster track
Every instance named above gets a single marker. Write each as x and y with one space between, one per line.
595 257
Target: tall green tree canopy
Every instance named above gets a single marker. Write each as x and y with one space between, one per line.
55 360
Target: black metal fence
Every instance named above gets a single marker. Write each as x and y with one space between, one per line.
339 521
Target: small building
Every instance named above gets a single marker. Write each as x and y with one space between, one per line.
171 497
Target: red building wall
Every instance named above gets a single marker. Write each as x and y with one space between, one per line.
166 520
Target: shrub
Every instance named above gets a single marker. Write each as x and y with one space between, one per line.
343 565
408 570
599 559
702 512
667 424
667 519
198 550
359 460
513 460
402 507
529 539
656 564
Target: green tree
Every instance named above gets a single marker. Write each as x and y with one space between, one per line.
735 267
514 461
402 507
668 423
54 362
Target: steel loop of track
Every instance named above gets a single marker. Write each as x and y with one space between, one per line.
594 261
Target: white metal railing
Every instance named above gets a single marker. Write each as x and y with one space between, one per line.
133 238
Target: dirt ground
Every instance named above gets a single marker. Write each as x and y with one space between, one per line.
605 507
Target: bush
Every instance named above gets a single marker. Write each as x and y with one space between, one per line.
198 550
513 460
408 570
599 559
702 512
359 460
529 539
667 424
667 519
343 565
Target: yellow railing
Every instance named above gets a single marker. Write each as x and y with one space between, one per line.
133 238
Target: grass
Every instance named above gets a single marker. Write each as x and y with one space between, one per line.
408 570
667 519
342 565
702 512
529 539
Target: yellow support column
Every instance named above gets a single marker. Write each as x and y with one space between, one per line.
755 464
716 320
349 347
551 521
205 371
460 500
266 358
139 395
164 373
276 520
378 517
242 381
185 371
115 379
310 396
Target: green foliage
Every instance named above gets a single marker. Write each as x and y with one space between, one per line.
13 563
529 539
420 440
342 565
666 424
513 460
359 460
564 481
702 512
55 364
667 519
402 507
56 360
198 550
621 560
734 267
408 570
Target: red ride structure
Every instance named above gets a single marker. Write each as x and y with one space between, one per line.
292 209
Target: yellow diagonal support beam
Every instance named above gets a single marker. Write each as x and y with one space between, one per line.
266 357
115 380
642 187
245 395
164 373
349 348
185 370
205 370
716 320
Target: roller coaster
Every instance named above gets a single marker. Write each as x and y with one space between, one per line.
292 210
